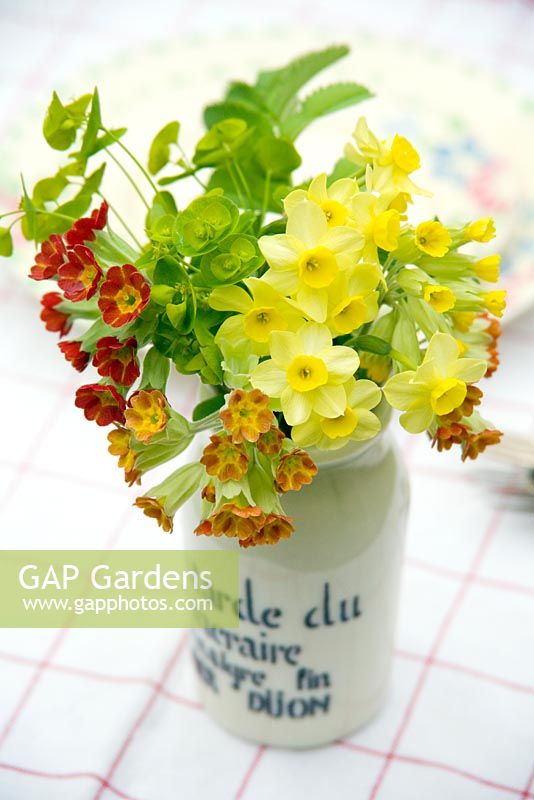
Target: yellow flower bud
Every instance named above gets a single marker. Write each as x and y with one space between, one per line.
433 238
482 230
495 302
487 269
441 298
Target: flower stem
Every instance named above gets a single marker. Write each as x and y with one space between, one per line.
134 159
128 177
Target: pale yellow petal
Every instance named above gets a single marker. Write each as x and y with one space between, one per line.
284 347
306 223
329 401
296 406
402 393
313 302
341 362
343 239
367 427
364 394
314 338
230 298
269 378
281 251
417 420
469 370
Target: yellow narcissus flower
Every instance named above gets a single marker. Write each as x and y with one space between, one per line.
379 224
392 162
437 387
495 302
487 269
357 422
482 230
433 238
441 298
306 373
305 260
353 299
333 200
258 313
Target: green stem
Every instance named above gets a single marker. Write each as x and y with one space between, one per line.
122 222
10 213
211 421
190 167
265 201
128 177
402 359
134 159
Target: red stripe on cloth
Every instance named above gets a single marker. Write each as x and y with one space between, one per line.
475 673
171 663
423 762
258 755
442 632
68 776
445 572
527 791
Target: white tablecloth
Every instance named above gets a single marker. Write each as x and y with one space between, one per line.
87 714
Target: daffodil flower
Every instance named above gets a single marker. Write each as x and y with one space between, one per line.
357 422
258 313
306 372
437 387
353 299
391 162
305 260
333 200
379 224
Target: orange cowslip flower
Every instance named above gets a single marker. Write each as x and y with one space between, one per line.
147 414
119 445
100 403
234 521
49 259
447 435
55 321
294 470
208 493
123 295
472 398
270 442
83 230
74 354
117 360
80 275
276 527
494 330
223 459
477 442
154 507
247 415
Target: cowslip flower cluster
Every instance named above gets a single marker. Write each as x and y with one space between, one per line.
305 310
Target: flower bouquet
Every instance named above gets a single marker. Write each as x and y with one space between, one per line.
301 306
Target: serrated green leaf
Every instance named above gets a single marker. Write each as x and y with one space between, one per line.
323 101
279 87
160 149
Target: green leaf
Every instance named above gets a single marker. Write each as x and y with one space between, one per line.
82 200
160 150
221 142
29 221
372 344
156 368
94 123
276 157
279 87
322 102
48 189
61 123
234 109
343 168
6 242
207 407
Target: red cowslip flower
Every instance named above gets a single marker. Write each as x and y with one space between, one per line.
80 275
123 295
117 360
84 228
101 403
74 354
49 259
54 320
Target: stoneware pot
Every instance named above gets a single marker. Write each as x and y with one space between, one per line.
311 659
